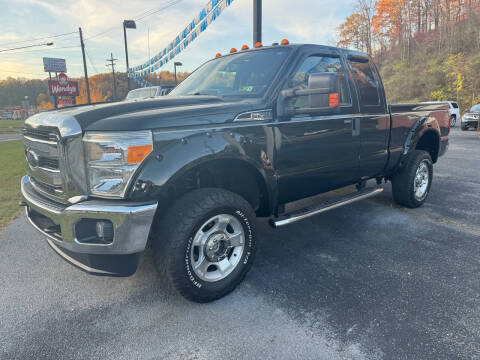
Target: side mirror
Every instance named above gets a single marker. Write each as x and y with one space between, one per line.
322 96
324 90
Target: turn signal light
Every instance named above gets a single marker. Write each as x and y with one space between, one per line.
245 47
333 100
218 55
258 44
136 154
233 50
285 42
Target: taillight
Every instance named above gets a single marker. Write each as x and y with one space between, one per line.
333 100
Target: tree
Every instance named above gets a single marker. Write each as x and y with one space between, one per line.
366 10
349 32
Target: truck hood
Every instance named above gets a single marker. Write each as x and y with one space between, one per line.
157 113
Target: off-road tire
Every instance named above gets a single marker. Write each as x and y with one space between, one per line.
453 121
403 180
174 236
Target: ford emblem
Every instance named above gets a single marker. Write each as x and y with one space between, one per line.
32 158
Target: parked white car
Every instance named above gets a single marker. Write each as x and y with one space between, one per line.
454 110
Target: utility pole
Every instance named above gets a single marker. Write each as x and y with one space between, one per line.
111 62
257 21
127 24
82 44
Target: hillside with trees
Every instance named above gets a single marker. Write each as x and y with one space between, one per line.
425 49
13 91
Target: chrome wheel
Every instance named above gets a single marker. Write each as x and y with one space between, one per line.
453 121
421 182
217 247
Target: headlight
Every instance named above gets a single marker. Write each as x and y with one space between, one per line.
113 158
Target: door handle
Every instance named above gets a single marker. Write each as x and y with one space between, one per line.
348 121
356 127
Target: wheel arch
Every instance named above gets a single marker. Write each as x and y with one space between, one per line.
237 175
424 135
429 141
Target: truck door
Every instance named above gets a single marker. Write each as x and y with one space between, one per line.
373 121
315 153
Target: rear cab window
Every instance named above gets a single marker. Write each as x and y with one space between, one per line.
367 83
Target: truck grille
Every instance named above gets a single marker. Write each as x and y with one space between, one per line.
47 188
42 153
47 163
46 135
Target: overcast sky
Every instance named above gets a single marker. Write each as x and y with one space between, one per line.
301 21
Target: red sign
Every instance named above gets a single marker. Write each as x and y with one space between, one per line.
67 88
65 101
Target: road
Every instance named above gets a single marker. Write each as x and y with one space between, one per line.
368 281
10 137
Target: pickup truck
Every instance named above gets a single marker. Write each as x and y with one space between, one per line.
244 136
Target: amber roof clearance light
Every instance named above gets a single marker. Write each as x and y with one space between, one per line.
258 44
233 50
245 47
218 55
285 42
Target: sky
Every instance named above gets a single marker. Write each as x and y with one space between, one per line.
300 21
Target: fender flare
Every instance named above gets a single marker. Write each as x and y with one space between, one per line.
184 154
421 127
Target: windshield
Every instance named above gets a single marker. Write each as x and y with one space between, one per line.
475 108
243 74
143 93
132 94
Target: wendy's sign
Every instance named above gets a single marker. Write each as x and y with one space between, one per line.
63 86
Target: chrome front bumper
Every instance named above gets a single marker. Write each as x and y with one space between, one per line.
131 224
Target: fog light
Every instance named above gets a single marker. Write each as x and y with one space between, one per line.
104 230
94 231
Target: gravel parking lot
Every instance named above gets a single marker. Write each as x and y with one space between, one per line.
367 281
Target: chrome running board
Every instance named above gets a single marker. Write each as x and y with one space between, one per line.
324 206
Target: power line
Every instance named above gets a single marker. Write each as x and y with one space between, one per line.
36 39
49 49
153 11
138 17
91 62
28 46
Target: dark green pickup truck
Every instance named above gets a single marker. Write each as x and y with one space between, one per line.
241 137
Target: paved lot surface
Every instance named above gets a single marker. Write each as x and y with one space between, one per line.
10 137
368 281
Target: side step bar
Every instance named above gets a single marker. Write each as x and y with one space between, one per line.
327 205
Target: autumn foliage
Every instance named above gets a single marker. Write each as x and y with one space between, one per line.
13 91
396 23
425 49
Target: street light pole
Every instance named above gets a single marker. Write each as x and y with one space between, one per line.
127 24
175 64
257 21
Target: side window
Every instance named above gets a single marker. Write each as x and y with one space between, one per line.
366 83
455 105
319 64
